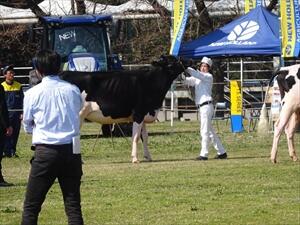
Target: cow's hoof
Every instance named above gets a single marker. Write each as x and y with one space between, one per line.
273 160
135 160
294 158
148 158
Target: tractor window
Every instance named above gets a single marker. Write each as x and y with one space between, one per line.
81 39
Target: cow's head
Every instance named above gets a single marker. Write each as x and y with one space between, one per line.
170 63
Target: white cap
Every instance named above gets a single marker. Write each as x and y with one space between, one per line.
207 60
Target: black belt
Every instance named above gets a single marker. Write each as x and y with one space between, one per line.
63 146
205 103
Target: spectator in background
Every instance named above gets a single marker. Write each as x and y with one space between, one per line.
14 100
51 114
202 80
5 130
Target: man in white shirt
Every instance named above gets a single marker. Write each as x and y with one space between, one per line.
202 80
51 115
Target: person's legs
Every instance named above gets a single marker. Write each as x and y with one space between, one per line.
7 146
15 135
37 188
69 180
41 178
1 155
212 134
70 187
204 130
217 142
3 183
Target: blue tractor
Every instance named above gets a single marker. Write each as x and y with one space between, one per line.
80 37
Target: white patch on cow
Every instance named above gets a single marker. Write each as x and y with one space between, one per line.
289 117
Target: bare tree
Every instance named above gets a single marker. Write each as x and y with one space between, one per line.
272 5
81 8
204 18
110 2
25 4
20 4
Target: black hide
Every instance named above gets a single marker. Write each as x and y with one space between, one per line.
124 93
285 84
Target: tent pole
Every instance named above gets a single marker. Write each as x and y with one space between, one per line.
172 104
242 78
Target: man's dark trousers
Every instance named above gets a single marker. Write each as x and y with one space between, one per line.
2 140
51 162
11 142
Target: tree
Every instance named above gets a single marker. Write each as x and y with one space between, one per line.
141 41
20 4
81 9
25 4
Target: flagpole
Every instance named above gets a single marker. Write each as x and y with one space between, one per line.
172 86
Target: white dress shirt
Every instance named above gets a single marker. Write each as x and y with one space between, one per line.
51 111
203 85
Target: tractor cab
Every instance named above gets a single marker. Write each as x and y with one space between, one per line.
81 40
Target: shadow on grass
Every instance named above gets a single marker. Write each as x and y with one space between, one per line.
93 136
194 159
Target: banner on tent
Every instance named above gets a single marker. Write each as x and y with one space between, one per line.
251 4
180 16
290 28
236 109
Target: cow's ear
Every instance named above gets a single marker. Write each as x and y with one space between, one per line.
187 62
159 62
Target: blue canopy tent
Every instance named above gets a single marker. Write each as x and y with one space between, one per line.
256 33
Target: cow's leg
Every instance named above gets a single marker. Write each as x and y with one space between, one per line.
86 109
290 131
280 124
136 133
147 154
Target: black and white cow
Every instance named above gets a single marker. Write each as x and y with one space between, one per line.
122 96
289 118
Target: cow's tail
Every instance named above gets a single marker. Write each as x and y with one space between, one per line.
263 124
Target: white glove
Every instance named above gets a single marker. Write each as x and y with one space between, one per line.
182 76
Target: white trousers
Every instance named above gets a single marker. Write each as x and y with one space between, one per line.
207 132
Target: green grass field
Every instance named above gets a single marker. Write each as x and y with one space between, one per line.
174 189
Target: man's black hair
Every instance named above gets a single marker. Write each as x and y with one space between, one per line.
7 68
47 62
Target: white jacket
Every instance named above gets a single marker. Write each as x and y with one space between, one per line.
203 85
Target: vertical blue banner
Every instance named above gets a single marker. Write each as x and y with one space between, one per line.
297 22
180 16
290 28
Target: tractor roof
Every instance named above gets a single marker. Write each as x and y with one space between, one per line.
77 19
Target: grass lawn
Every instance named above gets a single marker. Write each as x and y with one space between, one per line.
174 189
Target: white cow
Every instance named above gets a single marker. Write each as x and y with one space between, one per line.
289 117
